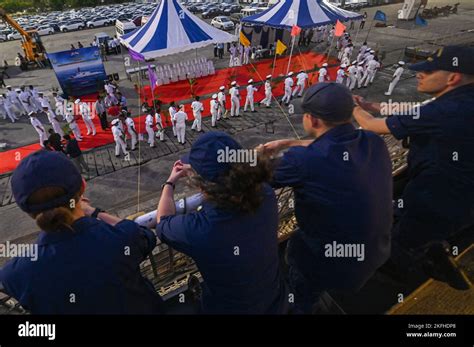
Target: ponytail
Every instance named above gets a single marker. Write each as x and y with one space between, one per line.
56 218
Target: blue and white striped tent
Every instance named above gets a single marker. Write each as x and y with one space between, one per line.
173 29
303 13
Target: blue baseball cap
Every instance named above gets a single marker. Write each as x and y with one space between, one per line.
328 101
449 58
45 169
206 153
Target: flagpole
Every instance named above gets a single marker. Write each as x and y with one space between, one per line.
291 53
330 46
274 62
370 28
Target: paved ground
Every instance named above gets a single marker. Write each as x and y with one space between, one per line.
113 185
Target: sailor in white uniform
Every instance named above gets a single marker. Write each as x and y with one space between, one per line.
249 101
360 74
119 136
149 122
234 99
172 111
396 77
340 74
160 130
85 111
370 70
301 79
25 99
6 107
34 99
352 75
268 92
288 88
12 96
198 108
323 73
180 119
53 120
35 122
214 105
131 130
71 120
60 105
221 99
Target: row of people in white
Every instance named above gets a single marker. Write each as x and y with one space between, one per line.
301 79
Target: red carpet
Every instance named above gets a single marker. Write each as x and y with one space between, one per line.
181 90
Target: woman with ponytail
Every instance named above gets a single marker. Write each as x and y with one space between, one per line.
87 260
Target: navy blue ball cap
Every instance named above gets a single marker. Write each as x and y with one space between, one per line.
45 169
328 101
449 58
206 154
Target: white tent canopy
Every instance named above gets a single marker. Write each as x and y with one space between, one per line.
303 13
172 29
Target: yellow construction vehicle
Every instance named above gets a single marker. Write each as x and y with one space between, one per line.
31 41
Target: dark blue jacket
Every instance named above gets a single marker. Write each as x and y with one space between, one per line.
93 269
343 194
237 255
439 197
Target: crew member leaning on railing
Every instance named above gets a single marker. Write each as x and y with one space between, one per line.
438 200
233 238
88 260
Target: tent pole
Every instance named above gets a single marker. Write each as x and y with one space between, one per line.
139 131
291 53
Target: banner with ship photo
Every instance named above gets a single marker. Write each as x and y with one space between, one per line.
79 71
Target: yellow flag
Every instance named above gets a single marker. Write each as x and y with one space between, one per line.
280 48
244 40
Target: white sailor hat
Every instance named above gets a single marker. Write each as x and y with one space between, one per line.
290 73
18 90
77 101
221 88
343 66
269 76
114 122
214 96
40 93
401 62
361 63
8 87
44 103
31 113
250 81
325 65
372 51
233 83
354 62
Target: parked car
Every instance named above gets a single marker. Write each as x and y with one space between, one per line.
14 36
211 12
45 30
223 22
98 22
75 24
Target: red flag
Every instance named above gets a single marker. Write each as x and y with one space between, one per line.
339 29
295 30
